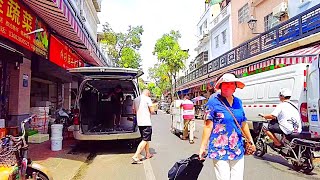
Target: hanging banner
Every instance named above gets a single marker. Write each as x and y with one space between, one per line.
62 55
16 21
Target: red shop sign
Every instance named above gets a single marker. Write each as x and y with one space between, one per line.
62 55
16 21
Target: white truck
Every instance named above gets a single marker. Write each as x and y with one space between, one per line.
260 94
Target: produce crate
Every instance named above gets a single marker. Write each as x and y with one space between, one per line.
38 138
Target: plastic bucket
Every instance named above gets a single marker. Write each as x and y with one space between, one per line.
56 144
56 130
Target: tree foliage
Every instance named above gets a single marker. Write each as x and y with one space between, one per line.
159 74
170 54
123 47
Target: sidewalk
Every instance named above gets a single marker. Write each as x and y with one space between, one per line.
63 166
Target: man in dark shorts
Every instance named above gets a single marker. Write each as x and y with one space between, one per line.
116 100
143 109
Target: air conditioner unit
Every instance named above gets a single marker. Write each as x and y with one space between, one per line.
280 10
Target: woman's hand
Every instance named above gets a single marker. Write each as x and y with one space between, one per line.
202 153
253 147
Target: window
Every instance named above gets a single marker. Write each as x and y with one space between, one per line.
216 40
205 24
270 21
200 30
243 14
224 36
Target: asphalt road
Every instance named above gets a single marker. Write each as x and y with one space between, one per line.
112 160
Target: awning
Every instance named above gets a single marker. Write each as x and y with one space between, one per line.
66 23
304 55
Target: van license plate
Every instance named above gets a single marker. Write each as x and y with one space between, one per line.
314 117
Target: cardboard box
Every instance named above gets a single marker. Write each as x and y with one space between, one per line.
38 138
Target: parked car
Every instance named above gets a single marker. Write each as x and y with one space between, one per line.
93 117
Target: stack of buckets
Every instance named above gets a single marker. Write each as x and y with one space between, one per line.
56 137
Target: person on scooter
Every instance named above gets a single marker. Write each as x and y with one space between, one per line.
285 119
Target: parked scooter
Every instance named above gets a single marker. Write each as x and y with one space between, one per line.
297 148
14 163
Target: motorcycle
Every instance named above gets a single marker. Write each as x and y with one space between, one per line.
14 161
297 148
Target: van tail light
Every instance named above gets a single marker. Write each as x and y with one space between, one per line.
304 112
76 117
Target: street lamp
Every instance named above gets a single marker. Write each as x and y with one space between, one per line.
252 23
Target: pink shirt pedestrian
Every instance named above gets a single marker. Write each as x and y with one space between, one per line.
188 110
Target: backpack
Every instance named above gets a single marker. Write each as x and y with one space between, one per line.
187 169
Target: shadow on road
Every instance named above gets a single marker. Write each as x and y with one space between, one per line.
280 160
103 147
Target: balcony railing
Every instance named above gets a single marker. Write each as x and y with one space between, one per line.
298 27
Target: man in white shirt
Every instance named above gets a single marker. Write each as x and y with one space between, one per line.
287 115
143 108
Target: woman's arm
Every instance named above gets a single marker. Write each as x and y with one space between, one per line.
205 137
246 130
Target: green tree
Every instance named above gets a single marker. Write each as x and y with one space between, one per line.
123 47
159 74
141 84
155 90
169 52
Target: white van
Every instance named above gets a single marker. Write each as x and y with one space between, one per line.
93 118
261 93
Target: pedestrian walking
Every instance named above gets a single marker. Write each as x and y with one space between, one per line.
225 116
143 108
188 115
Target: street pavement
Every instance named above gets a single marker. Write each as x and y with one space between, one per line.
101 160
112 160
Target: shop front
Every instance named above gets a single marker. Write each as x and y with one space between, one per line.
51 83
22 36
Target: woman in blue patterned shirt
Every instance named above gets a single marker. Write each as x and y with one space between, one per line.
221 134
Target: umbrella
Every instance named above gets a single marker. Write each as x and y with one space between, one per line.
198 98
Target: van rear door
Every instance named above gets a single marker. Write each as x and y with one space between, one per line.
313 97
107 72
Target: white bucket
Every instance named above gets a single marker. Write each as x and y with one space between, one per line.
56 130
56 144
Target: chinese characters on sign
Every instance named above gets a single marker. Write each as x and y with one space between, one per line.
62 55
16 21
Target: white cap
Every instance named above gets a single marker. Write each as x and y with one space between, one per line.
285 92
229 78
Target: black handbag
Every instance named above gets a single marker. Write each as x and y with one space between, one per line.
187 169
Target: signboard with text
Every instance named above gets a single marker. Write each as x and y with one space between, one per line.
16 21
62 55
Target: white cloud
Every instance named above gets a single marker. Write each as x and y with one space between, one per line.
157 18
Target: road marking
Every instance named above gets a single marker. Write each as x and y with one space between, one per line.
148 170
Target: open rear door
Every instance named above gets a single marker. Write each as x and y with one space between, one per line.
313 96
107 72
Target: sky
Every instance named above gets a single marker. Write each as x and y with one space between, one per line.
157 18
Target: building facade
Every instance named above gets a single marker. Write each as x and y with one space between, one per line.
296 7
264 38
263 11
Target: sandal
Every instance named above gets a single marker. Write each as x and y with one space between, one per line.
183 138
149 157
136 161
191 142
